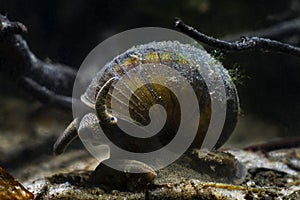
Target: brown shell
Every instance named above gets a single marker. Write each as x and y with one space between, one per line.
185 59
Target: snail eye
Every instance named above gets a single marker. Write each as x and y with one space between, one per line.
113 120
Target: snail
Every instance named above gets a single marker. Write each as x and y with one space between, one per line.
185 59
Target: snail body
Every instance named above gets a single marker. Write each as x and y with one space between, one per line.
186 60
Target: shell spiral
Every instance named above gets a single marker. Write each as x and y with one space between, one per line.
184 58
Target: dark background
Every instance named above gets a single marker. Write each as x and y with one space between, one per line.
65 32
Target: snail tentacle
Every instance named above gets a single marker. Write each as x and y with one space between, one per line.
100 105
66 138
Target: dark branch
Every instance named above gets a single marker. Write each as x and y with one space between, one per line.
245 43
49 83
45 95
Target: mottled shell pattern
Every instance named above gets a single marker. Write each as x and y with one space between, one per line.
185 59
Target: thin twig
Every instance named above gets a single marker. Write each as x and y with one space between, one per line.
244 44
283 30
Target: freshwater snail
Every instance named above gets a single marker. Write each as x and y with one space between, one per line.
186 60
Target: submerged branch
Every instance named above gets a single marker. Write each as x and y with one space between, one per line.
48 82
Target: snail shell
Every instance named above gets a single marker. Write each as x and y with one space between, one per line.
184 58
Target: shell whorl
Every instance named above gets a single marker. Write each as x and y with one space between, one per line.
185 59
